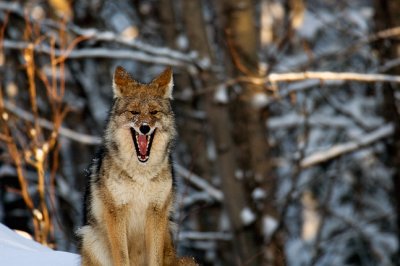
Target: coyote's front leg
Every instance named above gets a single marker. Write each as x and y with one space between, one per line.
116 234
156 226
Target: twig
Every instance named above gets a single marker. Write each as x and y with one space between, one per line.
344 148
68 133
294 120
196 197
97 35
347 76
305 85
359 225
93 53
321 76
17 158
294 181
109 36
345 112
389 65
213 236
334 51
307 80
199 182
323 217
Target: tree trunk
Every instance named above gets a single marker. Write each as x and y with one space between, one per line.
250 111
192 132
387 16
219 118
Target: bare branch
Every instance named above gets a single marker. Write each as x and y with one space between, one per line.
305 80
300 61
305 85
93 53
68 133
294 120
196 197
342 149
107 36
214 236
348 76
389 65
199 182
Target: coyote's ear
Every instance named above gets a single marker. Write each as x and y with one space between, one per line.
122 82
164 83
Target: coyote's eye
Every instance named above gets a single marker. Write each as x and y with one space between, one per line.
135 112
153 112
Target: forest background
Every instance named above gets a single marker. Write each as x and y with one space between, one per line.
287 112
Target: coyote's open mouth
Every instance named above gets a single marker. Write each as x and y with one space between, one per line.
142 144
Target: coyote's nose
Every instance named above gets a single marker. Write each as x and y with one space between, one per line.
144 128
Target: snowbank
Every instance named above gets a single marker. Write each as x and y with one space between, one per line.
16 250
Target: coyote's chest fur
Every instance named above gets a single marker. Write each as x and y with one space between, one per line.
130 193
138 194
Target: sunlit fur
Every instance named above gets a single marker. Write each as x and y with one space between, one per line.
129 201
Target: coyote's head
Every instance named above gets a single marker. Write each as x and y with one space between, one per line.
141 123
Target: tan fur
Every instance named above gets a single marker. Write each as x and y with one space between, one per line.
130 200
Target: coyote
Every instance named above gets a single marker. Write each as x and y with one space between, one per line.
130 192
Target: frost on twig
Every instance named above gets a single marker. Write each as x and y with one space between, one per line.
344 148
94 53
199 182
109 36
326 75
66 132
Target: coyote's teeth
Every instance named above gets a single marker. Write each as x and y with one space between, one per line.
142 144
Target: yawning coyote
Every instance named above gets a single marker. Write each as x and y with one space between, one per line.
130 193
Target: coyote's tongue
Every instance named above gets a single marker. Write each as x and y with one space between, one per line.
142 141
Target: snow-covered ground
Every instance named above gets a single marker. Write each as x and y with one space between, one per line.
16 250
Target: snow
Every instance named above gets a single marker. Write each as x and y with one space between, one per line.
258 194
292 120
239 174
311 25
247 216
269 226
360 19
260 100
182 42
17 250
205 63
221 94
297 252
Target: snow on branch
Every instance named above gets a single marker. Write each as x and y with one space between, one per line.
199 182
326 75
66 132
194 235
304 80
344 148
316 75
294 120
94 34
93 53
302 60
108 36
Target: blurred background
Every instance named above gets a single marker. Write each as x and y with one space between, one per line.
287 111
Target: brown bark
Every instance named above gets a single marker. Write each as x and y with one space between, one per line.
242 41
168 21
250 131
192 132
387 16
219 119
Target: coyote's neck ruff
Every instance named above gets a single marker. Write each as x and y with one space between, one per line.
130 193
